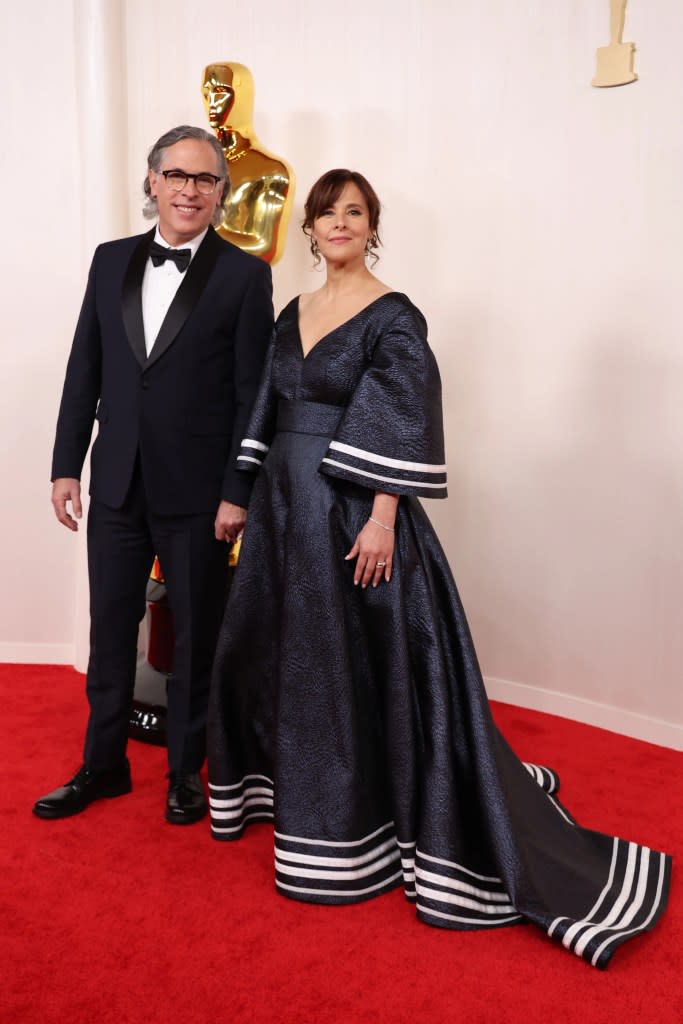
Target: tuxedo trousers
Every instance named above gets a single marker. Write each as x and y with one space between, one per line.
122 543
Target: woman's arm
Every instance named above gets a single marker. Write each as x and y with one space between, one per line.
373 548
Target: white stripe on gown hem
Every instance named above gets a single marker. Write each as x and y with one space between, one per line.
462 901
369 869
458 867
332 842
238 785
467 920
560 810
631 931
235 800
311 859
490 908
540 774
287 861
237 813
628 904
452 883
573 931
626 907
596 906
340 892
219 830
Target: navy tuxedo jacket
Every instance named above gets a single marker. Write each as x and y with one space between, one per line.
183 408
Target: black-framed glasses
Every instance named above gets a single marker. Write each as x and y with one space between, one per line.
205 183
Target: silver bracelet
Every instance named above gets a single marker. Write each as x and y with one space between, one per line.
389 529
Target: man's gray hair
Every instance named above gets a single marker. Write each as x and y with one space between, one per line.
156 156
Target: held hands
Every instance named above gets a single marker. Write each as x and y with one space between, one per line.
230 520
373 548
65 489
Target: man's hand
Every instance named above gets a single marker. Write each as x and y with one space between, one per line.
65 489
230 520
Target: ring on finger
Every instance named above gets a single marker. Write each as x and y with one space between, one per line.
380 565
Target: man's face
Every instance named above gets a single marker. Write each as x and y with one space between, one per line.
184 214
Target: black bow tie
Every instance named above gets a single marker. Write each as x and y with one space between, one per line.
181 257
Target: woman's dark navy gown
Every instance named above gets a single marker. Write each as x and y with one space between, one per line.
357 719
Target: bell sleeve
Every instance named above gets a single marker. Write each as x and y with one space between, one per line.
391 435
262 421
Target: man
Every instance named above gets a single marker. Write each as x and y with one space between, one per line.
166 356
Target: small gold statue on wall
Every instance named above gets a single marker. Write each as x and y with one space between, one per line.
615 62
257 211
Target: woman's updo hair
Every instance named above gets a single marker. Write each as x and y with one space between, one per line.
326 192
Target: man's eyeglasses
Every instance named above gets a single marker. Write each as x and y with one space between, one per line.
204 183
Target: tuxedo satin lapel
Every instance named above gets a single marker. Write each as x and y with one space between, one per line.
131 298
187 296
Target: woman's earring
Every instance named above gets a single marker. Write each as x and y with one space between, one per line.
315 251
371 248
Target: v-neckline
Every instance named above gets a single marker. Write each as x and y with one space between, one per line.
328 334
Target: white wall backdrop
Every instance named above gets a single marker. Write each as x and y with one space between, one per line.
535 220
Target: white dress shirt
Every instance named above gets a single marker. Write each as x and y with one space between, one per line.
159 285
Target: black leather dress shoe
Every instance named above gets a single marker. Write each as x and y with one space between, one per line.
186 802
79 792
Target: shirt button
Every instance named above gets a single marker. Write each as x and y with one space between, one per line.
145 385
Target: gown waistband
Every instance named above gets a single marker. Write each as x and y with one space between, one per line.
308 417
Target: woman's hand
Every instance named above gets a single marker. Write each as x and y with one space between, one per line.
373 548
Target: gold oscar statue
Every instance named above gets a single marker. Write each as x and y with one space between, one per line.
257 211
615 62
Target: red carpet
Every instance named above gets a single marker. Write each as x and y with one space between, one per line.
115 916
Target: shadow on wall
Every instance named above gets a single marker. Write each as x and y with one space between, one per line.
617 492
579 565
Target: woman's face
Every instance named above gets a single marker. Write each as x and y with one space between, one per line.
343 229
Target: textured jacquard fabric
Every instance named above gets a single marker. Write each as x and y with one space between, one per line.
391 434
357 720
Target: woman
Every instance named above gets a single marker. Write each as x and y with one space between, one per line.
347 702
